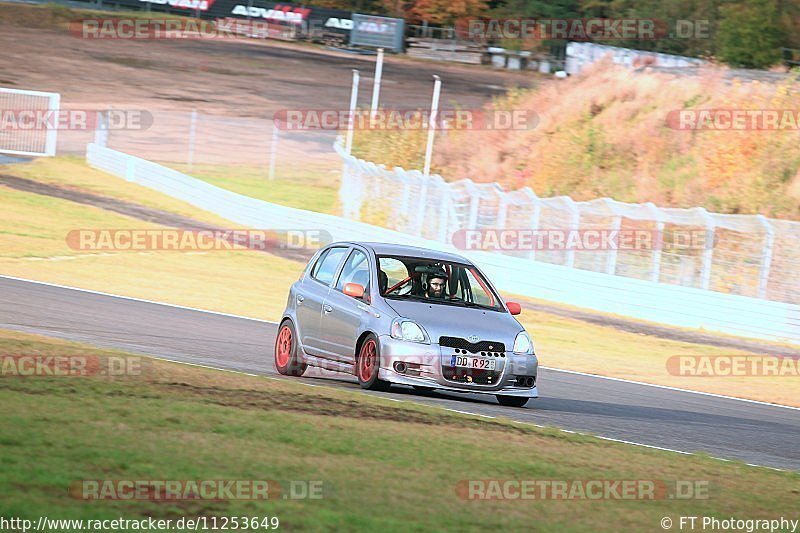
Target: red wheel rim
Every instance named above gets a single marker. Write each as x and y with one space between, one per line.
283 347
367 361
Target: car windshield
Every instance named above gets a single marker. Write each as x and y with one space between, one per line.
434 281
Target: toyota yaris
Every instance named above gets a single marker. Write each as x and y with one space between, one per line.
405 315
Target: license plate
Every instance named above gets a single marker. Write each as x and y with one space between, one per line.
472 362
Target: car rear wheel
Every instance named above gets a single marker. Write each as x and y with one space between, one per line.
368 364
286 351
512 401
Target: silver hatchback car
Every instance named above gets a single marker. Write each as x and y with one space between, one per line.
405 315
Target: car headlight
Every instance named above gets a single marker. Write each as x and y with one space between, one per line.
523 344
408 330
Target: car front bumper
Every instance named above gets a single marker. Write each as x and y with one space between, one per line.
429 365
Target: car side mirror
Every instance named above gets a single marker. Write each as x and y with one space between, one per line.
514 308
354 289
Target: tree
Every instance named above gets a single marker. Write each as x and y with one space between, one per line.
750 33
447 12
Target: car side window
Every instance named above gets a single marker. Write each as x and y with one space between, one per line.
356 270
326 265
394 270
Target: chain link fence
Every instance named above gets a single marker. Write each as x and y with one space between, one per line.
196 141
748 255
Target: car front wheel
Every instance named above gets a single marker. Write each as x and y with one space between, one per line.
512 401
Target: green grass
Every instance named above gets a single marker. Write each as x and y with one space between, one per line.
32 245
314 187
382 465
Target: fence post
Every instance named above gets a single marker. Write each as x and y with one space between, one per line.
348 146
534 220
708 251
423 197
574 225
376 84
437 87
444 214
502 210
658 244
766 256
611 257
423 200
474 203
192 131
101 132
273 152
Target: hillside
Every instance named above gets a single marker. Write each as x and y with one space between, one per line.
614 132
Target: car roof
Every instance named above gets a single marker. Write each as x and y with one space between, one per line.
383 248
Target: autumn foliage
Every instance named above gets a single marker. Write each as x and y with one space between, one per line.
606 133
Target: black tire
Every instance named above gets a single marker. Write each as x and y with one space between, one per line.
287 361
368 364
512 401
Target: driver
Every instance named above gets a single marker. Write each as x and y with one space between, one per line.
436 284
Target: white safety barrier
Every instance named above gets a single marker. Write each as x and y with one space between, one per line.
580 55
657 302
746 255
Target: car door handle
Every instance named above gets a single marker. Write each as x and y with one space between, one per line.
327 308
300 298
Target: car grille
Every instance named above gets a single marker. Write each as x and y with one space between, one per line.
464 344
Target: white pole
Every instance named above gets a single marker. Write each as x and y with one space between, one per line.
423 194
376 83
352 117
766 256
437 87
273 152
192 130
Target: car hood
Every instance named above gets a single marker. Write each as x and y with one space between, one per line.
453 321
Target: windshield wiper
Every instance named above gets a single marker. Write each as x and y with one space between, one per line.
476 304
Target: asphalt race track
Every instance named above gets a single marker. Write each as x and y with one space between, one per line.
725 428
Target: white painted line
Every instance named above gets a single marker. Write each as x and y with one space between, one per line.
142 300
622 380
632 443
642 445
713 395
462 412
